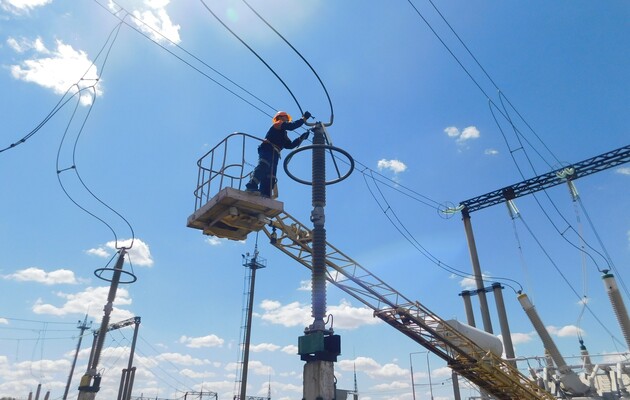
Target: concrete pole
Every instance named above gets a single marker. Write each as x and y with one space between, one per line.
474 258
470 315
88 388
83 327
455 380
503 322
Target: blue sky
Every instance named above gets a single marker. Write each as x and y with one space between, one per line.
404 107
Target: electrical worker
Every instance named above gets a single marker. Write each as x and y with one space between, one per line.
269 151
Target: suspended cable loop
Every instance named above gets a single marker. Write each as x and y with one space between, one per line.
332 114
254 53
318 146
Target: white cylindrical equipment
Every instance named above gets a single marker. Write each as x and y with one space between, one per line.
485 340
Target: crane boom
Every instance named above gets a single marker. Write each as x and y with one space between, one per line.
550 179
490 372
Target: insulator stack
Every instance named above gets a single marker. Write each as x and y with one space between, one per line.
618 305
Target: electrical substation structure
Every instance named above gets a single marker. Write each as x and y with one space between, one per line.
223 209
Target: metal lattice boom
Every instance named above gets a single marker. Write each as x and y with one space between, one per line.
490 372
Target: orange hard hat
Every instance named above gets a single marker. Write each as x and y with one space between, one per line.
283 115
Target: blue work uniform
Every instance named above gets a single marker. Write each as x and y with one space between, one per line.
269 155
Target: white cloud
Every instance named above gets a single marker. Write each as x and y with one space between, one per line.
60 70
290 349
566 331
215 241
181 359
518 338
373 369
468 133
6 321
197 375
139 254
442 372
295 314
38 275
91 300
151 18
22 6
394 385
623 170
99 252
258 348
451 131
305 286
24 45
348 317
395 166
202 341
256 367
469 282
491 152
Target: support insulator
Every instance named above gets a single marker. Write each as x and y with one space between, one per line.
569 379
319 169
618 305
319 277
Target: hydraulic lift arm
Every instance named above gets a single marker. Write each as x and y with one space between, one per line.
487 370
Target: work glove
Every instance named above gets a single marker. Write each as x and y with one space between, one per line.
306 115
304 136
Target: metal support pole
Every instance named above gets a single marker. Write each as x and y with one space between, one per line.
429 372
82 327
474 258
454 378
470 315
508 347
253 266
413 384
126 381
88 389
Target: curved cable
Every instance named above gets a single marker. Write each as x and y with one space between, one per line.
74 167
139 21
254 53
63 188
491 80
332 114
564 278
544 211
400 227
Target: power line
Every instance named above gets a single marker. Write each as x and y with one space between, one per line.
254 53
506 115
109 43
564 278
300 55
402 229
142 23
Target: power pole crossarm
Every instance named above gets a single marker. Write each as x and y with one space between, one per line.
583 168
